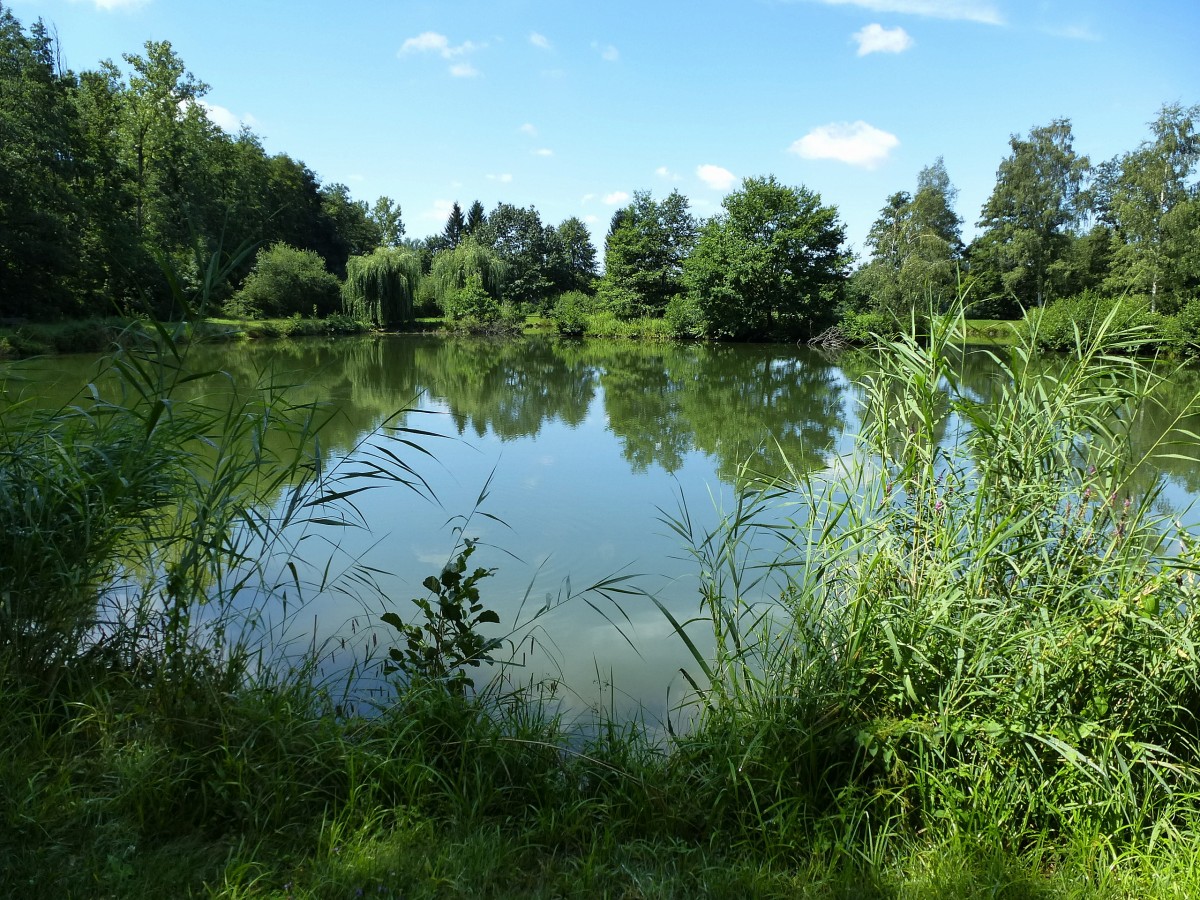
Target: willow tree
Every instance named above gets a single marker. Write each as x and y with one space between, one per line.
453 269
381 286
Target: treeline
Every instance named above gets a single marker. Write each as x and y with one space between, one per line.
108 174
108 178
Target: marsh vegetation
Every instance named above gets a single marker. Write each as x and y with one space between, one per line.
966 663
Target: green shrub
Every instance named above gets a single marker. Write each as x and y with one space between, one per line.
286 281
471 303
1181 332
684 316
86 336
1071 322
571 311
866 326
621 301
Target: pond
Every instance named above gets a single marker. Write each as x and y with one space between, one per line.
584 452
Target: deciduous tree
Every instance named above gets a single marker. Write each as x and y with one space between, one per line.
1037 200
771 264
645 249
528 249
1152 182
576 266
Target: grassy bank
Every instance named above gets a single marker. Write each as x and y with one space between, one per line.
968 669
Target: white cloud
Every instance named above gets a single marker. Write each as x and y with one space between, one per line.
112 5
540 40
854 143
587 198
503 177
715 177
607 52
616 198
664 172
439 211
966 10
1074 33
877 39
428 41
528 129
433 42
591 219
543 151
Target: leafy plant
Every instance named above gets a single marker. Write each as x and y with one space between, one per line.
981 627
449 638
286 281
1075 322
571 310
381 287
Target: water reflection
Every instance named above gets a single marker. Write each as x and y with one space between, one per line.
590 443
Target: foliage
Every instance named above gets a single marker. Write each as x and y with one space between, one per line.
963 686
382 287
529 251
285 281
866 327
645 250
449 637
684 317
352 230
386 217
475 219
915 246
472 305
1039 197
106 171
453 270
1182 330
1071 322
455 228
986 634
1151 184
576 265
38 246
769 264
571 310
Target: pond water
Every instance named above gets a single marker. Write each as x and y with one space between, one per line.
583 450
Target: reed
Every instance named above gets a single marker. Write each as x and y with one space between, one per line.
979 626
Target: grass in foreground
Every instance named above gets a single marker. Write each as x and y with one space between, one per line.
969 671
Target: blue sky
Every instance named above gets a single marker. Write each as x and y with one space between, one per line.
572 106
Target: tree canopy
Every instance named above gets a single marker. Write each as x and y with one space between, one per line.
771 264
647 243
1029 218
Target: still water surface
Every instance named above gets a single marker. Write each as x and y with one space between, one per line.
583 449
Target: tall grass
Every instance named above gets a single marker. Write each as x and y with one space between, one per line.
980 626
